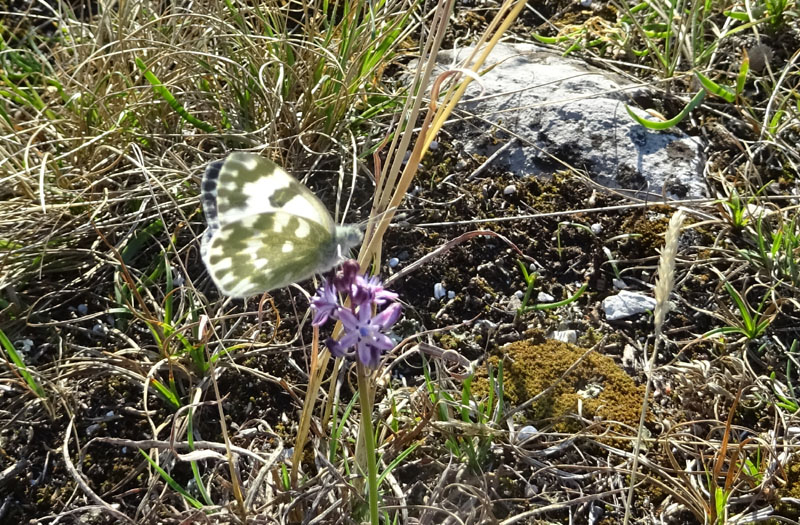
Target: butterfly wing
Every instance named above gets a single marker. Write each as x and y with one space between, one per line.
267 251
245 184
265 229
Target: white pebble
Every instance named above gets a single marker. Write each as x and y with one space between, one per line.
393 262
24 345
509 190
596 228
83 309
439 290
627 304
519 295
544 298
619 284
526 433
451 294
565 336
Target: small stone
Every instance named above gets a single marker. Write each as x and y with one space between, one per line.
628 356
510 190
451 294
24 345
543 297
433 146
439 290
393 262
83 309
627 304
519 294
525 433
596 228
566 336
619 284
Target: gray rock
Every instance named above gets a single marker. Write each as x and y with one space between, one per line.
565 110
627 304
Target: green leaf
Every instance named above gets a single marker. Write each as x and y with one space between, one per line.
649 124
171 482
716 89
743 70
165 93
21 366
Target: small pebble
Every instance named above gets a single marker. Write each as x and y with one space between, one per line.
619 284
434 145
451 294
586 3
393 262
83 309
439 290
24 345
565 336
596 228
510 190
627 304
519 294
526 433
544 298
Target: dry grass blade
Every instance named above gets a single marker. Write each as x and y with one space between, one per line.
666 279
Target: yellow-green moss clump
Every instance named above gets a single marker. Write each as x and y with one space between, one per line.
788 509
531 367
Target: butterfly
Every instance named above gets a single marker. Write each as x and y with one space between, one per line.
265 230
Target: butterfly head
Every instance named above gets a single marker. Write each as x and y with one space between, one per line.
347 237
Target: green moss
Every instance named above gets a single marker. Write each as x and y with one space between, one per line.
790 490
532 367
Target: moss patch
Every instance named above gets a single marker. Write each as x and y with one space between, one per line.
605 390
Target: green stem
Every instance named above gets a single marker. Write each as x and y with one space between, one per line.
369 438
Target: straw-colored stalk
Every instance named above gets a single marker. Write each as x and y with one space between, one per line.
664 284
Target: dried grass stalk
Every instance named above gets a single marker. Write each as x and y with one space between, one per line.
664 283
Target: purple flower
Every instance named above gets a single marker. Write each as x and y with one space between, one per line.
344 280
370 289
325 304
364 334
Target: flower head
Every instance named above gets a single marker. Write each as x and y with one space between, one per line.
364 336
325 304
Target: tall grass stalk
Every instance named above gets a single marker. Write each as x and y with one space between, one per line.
664 284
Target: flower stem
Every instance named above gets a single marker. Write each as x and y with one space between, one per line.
369 438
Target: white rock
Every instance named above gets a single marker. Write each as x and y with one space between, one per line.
564 107
439 290
628 356
596 228
510 190
566 336
24 345
544 298
519 294
627 304
393 262
451 294
526 433
619 284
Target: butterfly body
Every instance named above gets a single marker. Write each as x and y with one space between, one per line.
265 229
